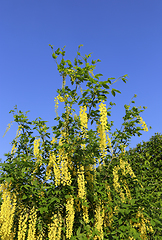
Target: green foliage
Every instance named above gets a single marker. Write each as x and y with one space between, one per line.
20 165
146 162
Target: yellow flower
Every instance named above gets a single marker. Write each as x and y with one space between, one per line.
81 183
7 211
56 169
55 228
116 182
32 225
36 147
99 221
143 124
61 99
69 217
84 121
22 225
101 129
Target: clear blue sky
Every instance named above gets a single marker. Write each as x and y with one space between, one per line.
125 35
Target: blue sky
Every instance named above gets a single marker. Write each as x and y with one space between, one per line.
125 35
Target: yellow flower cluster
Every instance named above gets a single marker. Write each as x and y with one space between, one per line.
116 182
143 228
61 99
82 192
84 121
101 129
7 212
125 166
71 71
81 183
99 221
69 217
55 228
56 169
126 169
36 147
32 224
143 124
8 128
22 225
44 128
66 177
37 153
61 173
63 159
54 140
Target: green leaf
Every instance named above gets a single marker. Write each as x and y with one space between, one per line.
67 196
81 45
105 86
98 76
113 92
43 209
24 197
54 56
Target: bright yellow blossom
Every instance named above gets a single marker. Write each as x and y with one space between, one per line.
69 217
143 124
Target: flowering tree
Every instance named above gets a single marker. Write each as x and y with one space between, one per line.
80 202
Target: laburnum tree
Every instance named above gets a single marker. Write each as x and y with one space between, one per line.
80 202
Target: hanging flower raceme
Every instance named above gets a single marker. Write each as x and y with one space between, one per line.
101 129
84 121
64 162
143 124
37 153
61 99
36 147
69 217
7 211
144 225
81 183
55 228
82 191
56 169
99 221
116 182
